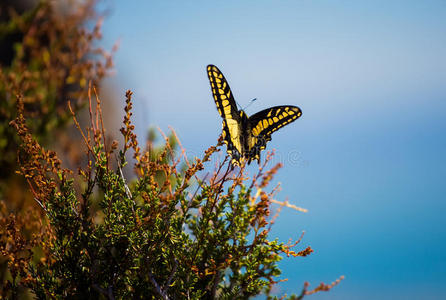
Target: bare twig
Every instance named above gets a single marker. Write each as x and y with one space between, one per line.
127 190
289 205
108 292
158 289
169 281
99 112
86 141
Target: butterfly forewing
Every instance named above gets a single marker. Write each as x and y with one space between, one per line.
223 97
227 109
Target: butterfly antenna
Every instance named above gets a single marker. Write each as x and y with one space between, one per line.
250 102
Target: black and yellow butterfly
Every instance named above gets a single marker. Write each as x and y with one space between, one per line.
246 136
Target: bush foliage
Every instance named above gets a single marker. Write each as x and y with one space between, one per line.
48 57
166 234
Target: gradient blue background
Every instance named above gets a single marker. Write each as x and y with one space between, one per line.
368 156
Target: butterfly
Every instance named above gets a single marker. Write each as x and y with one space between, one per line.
246 136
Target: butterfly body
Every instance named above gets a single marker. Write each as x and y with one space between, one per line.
246 136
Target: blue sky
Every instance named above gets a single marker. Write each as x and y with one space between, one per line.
368 156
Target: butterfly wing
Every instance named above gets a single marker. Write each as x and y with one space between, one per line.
227 108
265 122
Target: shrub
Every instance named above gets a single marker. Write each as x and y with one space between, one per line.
48 57
169 233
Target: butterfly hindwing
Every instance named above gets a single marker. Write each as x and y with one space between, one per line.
265 122
227 108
